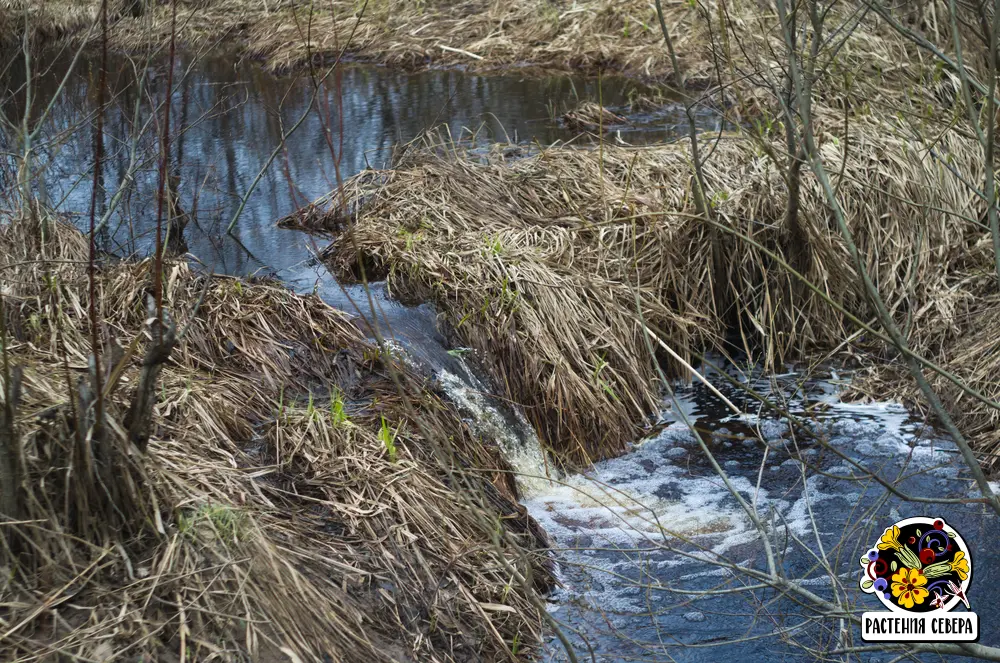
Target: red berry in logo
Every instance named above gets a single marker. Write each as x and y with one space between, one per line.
913 540
926 556
939 524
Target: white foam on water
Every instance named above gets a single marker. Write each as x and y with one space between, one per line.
654 515
658 518
644 500
650 499
636 499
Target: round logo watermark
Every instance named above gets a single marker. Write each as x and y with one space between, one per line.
920 567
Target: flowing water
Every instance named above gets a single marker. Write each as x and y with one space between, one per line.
637 537
231 116
640 536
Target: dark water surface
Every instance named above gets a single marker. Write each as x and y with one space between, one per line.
228 116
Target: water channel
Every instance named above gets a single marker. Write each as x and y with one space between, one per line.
636 537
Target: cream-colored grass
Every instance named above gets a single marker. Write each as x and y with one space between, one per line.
475 33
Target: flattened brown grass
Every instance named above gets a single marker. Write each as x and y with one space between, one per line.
538 261
268 519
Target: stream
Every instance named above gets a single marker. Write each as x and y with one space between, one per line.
631 532
635 530
231 114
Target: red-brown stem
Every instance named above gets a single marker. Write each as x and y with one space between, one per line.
92 258
164 161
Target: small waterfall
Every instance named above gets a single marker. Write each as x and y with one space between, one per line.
491 419
411 334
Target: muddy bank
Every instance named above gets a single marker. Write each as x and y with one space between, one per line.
302 492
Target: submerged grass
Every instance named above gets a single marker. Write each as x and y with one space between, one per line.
592 117
265 525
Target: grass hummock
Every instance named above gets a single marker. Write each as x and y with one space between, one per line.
585 36
270 512
539 263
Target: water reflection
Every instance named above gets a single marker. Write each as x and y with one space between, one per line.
228 116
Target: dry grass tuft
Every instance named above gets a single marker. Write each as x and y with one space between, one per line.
592 117
962 339
538 261
292 499
534 262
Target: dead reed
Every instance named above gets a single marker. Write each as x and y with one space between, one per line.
592 117
293 500
476 34
538 261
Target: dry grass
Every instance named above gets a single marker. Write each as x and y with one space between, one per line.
538 261
533 262
962 339
581 35
492 243
478 34
266 522
592 117
908 190
619 35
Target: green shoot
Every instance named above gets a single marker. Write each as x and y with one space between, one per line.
388 438
337 413
228 523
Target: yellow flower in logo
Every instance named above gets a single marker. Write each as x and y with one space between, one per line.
960 565
890 539
908 587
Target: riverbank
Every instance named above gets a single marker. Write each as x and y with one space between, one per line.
577 272
289 468
543 263
302 493
582 36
